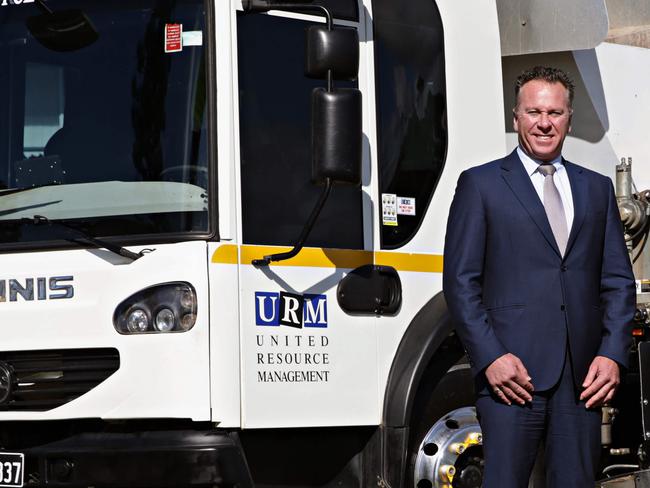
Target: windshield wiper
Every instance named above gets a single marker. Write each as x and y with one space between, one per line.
12 191
27 207
114 248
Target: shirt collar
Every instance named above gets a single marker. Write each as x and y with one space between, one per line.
531 164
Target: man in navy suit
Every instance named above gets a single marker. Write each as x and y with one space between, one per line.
538 280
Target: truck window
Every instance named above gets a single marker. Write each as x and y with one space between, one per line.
110 135
411 107
44 104
275 135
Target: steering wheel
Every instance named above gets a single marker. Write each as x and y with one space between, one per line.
201 173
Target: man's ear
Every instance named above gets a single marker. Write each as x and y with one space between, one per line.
515 121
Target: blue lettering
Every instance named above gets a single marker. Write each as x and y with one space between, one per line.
293 310
267 308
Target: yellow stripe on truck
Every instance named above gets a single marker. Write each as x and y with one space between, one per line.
226 254
311 257
424 263
315 257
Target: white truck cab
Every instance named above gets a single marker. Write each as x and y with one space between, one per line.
158 159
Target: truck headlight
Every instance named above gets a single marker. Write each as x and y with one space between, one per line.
170 307
137 321
165 320
187 321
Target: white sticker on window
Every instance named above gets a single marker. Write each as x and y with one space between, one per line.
192 38
389 209
405 206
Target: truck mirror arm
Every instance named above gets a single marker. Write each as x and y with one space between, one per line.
282 256
254 6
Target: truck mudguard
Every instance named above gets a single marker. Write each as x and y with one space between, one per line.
423 337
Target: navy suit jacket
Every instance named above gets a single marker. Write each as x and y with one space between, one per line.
509 289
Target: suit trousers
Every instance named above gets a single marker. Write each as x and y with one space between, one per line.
555 418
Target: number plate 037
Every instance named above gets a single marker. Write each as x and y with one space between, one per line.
11 469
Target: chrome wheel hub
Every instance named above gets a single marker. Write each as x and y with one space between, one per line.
450 453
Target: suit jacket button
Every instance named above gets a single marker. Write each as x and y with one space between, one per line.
563 268
562 307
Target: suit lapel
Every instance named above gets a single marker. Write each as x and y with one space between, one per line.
514 173
578 184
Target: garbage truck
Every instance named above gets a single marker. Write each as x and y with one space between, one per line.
221 234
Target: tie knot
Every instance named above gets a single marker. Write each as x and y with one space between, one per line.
546 169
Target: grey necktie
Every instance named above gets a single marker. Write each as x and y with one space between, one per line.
554 208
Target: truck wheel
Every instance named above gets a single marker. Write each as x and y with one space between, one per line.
446 442
451 452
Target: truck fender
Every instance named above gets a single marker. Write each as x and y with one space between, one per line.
414 367
431 326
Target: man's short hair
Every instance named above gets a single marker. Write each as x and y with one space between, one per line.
547 74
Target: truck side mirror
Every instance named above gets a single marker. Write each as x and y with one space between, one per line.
333 54
330 54
336 136
335 50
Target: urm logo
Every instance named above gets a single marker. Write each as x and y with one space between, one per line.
290 309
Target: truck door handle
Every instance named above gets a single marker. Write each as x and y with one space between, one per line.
370 289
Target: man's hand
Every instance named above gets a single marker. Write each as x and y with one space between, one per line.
601 382
509 379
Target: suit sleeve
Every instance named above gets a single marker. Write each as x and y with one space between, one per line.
617 288
463 274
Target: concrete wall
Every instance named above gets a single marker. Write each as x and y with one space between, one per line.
629 22
611 108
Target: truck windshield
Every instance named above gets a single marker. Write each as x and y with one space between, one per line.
103 119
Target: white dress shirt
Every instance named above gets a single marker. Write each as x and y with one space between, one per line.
560 178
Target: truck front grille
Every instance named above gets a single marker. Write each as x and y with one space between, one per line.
43 380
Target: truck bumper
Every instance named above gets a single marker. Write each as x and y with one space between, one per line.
180 458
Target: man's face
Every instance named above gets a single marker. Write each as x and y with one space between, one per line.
542 118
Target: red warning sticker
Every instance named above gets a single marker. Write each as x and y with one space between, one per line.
173 38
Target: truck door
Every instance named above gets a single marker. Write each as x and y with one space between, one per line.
304 361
